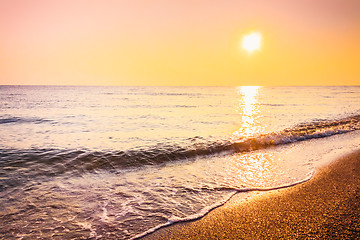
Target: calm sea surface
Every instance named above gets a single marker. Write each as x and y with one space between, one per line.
119 162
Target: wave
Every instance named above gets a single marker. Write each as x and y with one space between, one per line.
5 120
57 161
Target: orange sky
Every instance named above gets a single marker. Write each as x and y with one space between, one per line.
171 42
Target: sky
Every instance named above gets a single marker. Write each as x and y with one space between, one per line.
179 43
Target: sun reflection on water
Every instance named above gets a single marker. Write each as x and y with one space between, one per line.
250 112
255 169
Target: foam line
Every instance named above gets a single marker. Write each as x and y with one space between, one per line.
206 210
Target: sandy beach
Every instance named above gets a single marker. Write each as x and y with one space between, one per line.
326 207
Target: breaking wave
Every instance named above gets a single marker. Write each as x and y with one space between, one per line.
57 161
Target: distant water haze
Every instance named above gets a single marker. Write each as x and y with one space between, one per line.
121 118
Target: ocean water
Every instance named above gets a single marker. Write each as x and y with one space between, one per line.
121 162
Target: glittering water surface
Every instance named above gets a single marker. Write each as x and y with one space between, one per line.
114 162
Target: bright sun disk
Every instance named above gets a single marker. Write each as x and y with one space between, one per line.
252 41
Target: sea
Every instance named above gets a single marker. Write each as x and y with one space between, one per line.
92 162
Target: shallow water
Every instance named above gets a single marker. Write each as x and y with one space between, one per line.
114 162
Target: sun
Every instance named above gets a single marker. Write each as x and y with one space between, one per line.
251 41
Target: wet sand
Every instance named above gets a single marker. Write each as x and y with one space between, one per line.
326 207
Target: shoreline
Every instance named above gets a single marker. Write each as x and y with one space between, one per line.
327 206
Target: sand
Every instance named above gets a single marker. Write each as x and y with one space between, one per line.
326 207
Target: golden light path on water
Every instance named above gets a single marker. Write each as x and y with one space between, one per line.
252 167
249 109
